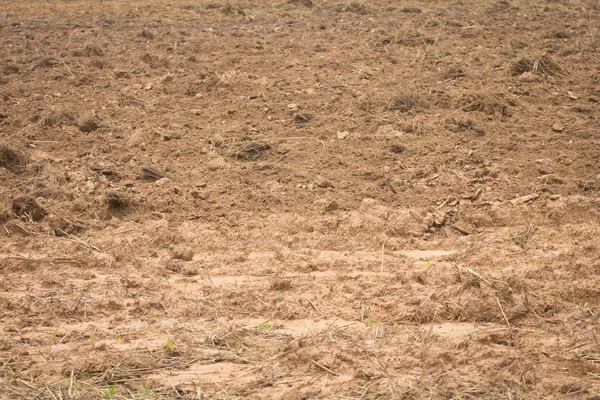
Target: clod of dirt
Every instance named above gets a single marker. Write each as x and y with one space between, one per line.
12 69
411 10
122 75
281 285
301 119
397 148
89 125
323 182
146 34
47 63
93 50
117 202
61 226
543 65
29 208
305 3
3 116
184 253
12 159
150 173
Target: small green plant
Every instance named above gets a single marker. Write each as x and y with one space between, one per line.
118 337
55 335
169 346
71 382
428 264
92 339
264 326
382 341
372 324
396 325
110 394
144 389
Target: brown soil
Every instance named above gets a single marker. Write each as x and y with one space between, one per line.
299 199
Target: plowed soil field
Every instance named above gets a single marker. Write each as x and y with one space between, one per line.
299 199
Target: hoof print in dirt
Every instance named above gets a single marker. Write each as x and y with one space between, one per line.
27 207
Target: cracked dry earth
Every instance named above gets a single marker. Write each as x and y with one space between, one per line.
299 199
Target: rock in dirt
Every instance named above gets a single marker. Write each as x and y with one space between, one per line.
323 182
332 206
29 208
184 253
343 135
388 130
558 127
217 163
162 182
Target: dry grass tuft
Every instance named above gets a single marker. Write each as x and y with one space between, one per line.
356 7
249 149
12 159
543 65
54 117
486 102
404 102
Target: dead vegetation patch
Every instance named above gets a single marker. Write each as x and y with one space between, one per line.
12 159
248 149
57 116
405 102
486 102
543 65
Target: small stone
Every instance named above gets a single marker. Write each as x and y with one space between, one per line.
216 163
388 130
343 135
184 253
101 345
162 182
332 206
558 127
323 182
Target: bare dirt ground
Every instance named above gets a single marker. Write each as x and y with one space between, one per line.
299 200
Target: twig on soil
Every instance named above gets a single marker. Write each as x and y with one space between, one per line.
503 314
71 238
313 306
479 276
220 387
324 368
133 253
